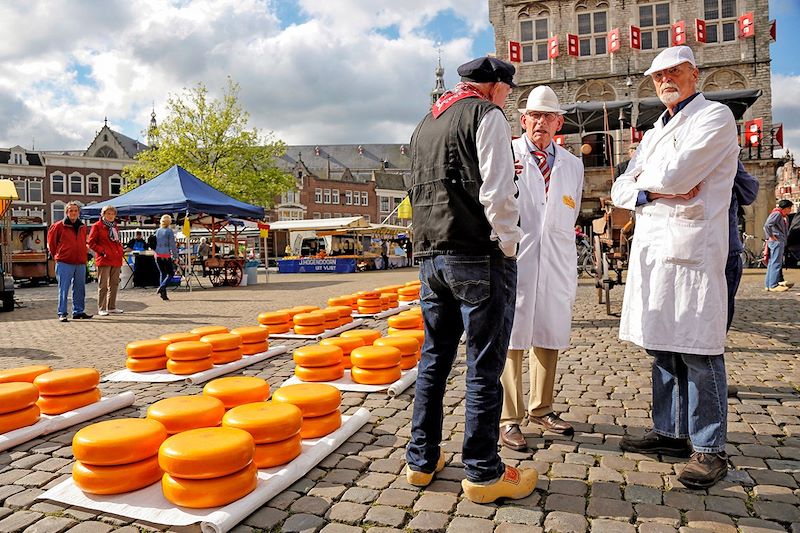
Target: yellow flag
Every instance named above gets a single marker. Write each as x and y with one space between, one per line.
404 209
187 227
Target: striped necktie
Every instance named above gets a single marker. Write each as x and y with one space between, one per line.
544 168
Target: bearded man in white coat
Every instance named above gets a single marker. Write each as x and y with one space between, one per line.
675 303
550 186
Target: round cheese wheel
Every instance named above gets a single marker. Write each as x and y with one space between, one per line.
222 341
183 368
189 350
290 311
375 357
367 335
315 318
384 302
331 314
344 310
19 419
369 302
319 373
209 330
317 355
180 337
319 426
119 441
251 334
331 324
16 396
408 291
237 390
222 357
182 413
313 399
407 345
388 288
116 479
252 348
412 311
67 381
274 317
346 301
413 283
418 334
146 365
55 405
407 362
278 453
346 361
369 294
146 348
206 453
354 305
204 493
278 328
373 376
369 310
23 373
309 330
392 296
404 322
345 320
347 344
266 421
304 309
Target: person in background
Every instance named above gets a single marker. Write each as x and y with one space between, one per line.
137 244
745 191
776 230
66 241
623 165
166 251
27 240
104 242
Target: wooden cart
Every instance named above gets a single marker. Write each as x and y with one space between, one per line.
612 238
223 271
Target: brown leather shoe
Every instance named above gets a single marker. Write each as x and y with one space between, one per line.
552 422
704 470
512 437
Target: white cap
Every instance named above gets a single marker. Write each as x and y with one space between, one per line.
670 57
542 99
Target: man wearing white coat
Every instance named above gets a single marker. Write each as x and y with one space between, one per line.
679 182
550 186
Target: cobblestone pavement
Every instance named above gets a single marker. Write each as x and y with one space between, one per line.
586 483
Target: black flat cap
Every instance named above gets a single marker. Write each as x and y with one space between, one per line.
487 70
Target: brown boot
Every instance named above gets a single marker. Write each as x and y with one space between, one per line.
704 469
511 437
552 422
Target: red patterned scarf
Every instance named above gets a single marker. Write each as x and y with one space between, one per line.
459 92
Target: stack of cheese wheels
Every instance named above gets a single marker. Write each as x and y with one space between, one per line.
375 365
385 301
189 357
318 363
237 390
319 404
389 289
207 467
25 374
182 413
18 405
312 323
146 355
369 302
275 428
209 330
180 337
276 321
347 344
391 298
64 390
345 313
367 335
254 339
404 321
332 318
408 346
341 300
408 294
225 347
418 334
354 304
117 456
297 309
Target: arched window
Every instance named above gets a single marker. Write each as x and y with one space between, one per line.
595 91
93 186
592 23
723 80
56 211
534 29
106 151
646 89
75 183
58 183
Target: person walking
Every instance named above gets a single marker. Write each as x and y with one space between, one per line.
776 230
66 241
104 241
166 252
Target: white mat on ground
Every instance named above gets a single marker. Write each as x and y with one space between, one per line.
324 335
149 503
50 424
164 376
346 383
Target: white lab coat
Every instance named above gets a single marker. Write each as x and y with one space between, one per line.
547 259
675 295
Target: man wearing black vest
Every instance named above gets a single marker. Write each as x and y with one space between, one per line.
466 232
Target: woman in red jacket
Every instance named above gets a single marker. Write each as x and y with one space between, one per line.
104 241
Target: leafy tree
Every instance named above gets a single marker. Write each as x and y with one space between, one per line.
210 139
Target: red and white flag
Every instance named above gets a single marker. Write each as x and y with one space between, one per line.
679 33
779 135
752 132
773 30
572 44
514 52
700 30
552 47
558 139
614 43
636 135
636 38
747 27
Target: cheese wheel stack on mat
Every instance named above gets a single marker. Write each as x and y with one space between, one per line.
389 289
209 330
368 335
354 304
408 293
117 456
276 321
418 334
318 363
369 302
189 357
386 301
391 299
23 373
207 467
310 323
275 428
225 347
346 300
402 321
64 390
375 365
18 407
347 344
180 337
332 320
408 346
237 390
182 413
319 403
254 339
146 355
345 313
297 309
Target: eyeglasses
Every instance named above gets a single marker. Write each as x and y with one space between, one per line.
668 72
547 117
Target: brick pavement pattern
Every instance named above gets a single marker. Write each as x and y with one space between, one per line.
586 483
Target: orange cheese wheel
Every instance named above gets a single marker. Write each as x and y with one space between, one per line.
223 357
222 341
204 493
346 361
206 452
345 320
404 322
252 348
251 334
274 317
354 305
278 453
344 310
317 355
116 479
16 396
382 376
209 330
23 373
407 345
412 283
388 288
385 301
369 302
55 405
146 348
409 290
412 311
367 335
309 330
266 421
347 344
237 390
119 441
315 318
313 399
369 310
183 368
392 296
319 373
67 381
189 350
180 337
19 419
375 357
418 334
331 315
146 365
277 328
346 301
304 309
182 413
319 426
290 311
369 294
331 324
407 362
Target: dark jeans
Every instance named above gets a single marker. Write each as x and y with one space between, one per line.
166 269
458 293
733 275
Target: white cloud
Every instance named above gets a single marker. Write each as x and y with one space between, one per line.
786 109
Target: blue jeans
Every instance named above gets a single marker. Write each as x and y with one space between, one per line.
775 263
733 275
690 399
475 294
74 275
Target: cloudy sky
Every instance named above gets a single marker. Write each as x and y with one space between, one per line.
312 71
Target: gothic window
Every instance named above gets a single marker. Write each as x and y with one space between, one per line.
655 24
646 89
721 20
592 27
595 90
533 33
106 151
723 80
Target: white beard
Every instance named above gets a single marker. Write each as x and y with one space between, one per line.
668 98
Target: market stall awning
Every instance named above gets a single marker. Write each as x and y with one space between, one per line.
738 101
320 224
383 230
585 117
8 193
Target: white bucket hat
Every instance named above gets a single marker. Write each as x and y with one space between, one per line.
670 57
542 99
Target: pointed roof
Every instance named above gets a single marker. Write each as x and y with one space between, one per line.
123 146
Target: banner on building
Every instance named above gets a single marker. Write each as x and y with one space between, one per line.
773 30
572 44
614 43
752 132
747 28
552 47
700 30
514 52
679 33
636 38
779 135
